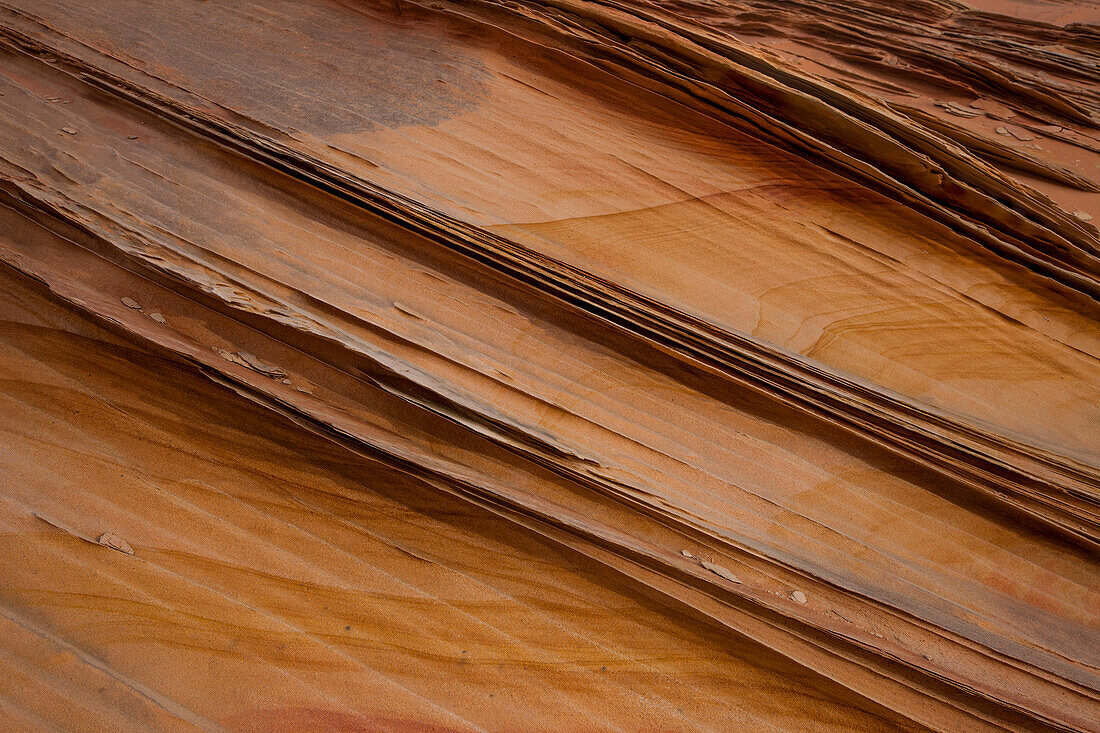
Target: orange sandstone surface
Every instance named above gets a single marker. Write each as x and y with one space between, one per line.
549 365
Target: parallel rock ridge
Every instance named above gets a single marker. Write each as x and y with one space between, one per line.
534 365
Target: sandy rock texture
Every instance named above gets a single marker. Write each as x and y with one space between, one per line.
550 365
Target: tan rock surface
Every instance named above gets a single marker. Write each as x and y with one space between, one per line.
555 365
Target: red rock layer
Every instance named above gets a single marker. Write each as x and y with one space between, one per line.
547 365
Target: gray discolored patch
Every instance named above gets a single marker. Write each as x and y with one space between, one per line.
317 67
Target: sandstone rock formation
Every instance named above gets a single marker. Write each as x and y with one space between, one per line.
550 365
